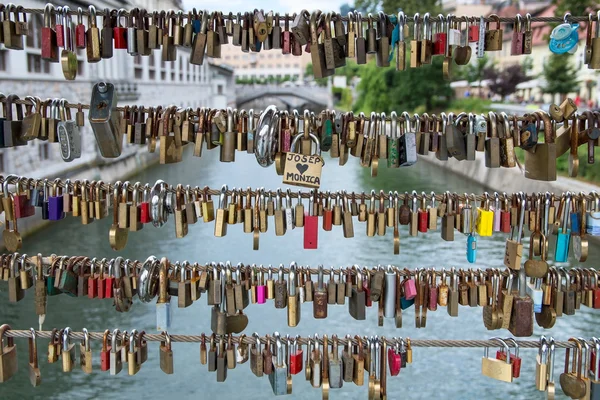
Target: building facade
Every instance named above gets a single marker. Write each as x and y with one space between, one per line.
147 81
263 65
139 80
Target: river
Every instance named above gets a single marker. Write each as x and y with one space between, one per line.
435 373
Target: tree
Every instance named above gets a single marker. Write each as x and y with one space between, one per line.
385 89
505 82
473 72
393 6
309 72
346 8
575 7
560 75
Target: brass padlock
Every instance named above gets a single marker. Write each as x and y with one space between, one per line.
493 37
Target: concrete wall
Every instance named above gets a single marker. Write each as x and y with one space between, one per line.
507 179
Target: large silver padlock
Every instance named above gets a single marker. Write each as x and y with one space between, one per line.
104 120
278 377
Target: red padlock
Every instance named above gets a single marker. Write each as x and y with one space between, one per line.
92 281
440 37
286 37
394 360
144 206
22 205
473 33
515 360
49 39
60 26
327 213
286 134
311 225
109 282
433 292
296 355
105 352
80 30
423 215
505 218
594 355
101 282
120 32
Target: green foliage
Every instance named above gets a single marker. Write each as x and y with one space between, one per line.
575 7
262 81
345 96
469 104
474 72
560 75
393 6
309 72
385 89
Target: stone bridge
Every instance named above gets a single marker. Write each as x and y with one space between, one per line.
284 98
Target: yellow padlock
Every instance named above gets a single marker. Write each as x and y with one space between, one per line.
485 218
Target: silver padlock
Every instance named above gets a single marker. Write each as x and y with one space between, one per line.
104 120
336 380
69 136
278 378
116 363
407 146
593 217
389 308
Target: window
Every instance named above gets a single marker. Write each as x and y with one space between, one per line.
3 58
138 73
43 153
80 67
34 35
219 89
35 64
152 75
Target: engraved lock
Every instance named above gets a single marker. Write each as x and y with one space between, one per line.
516 44
493 37
564 38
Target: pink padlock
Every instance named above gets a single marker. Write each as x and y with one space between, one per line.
394 360
261 290
410 288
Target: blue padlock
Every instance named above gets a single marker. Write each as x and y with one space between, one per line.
404 303
564 234
196 23
564 38
575 223
471 248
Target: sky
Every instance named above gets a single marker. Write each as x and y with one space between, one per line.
281 6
